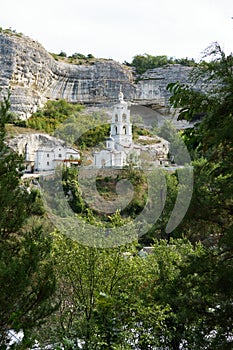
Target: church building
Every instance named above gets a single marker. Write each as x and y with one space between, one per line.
120 149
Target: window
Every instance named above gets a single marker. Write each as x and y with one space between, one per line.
124 130
47 155
124 117
47 163
116 118
59 155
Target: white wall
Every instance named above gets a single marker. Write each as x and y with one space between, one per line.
47 160
44 160
109 158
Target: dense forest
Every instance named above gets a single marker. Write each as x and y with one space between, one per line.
68 295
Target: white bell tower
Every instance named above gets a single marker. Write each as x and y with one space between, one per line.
121 127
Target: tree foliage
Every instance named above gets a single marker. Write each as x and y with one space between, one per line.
26 273
146 61
210 139
209 217
107 297
52 115
84 129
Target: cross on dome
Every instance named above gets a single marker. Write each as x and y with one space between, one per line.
121 96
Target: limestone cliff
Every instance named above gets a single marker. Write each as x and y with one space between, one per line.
35 76
151 88
34 141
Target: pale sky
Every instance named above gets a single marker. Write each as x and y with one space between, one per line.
121 29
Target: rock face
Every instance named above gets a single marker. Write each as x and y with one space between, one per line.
153 149
151 89
33 142
34 76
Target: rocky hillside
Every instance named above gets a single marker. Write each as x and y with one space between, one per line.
34 142
35 76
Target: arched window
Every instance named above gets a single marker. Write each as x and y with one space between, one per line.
124 117
115 130
116 117
124 130
26 152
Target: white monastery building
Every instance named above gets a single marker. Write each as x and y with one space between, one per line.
43 152
47 159
120 149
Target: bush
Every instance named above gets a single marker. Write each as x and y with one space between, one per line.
62 54
144 62
52 115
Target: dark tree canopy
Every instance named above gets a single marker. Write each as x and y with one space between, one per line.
146 61
26 273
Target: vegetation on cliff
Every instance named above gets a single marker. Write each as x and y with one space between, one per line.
51 116
142 63
76 58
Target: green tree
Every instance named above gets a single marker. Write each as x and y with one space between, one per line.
84 130
106 298
26 273
196 283
78 55
146 61
209 218
88 280
62 54
52 115
211 138
72 190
